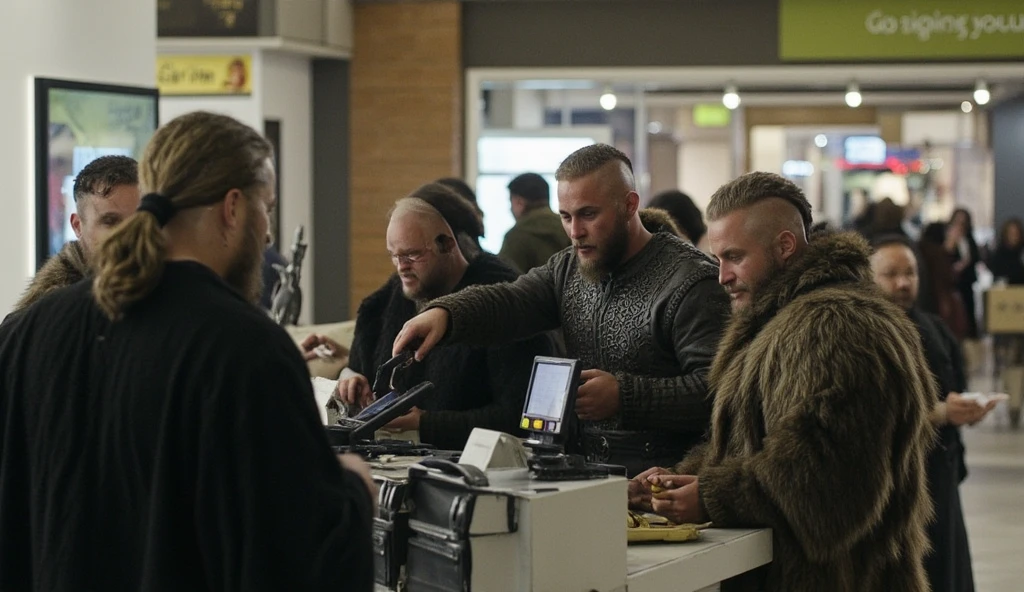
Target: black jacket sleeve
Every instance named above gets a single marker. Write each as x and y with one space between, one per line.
501 313
680 403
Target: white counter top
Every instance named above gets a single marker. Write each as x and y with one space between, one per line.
687 567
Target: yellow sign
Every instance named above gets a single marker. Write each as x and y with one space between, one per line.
818 30
193 75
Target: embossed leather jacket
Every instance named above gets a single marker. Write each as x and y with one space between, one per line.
654 323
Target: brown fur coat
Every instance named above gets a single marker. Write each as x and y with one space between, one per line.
65 268
820 430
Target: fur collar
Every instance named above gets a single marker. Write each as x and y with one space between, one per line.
65 268
830 258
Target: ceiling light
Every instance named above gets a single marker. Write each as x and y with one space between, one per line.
608 100
966 107
731 97
821 140
981 94
853 98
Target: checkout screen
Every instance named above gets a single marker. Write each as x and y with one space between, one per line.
548 391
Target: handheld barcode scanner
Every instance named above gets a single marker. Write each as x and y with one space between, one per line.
384 379
388 405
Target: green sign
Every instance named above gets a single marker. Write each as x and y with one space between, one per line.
711 115
822 30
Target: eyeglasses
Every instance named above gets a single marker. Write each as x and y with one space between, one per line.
410 258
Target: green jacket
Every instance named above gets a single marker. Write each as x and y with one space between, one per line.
534 239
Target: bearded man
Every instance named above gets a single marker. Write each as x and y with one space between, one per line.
822 394
643 314
430 239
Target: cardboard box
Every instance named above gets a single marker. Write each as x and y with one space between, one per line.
1004 310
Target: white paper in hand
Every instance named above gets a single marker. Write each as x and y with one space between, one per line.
983 399
323 390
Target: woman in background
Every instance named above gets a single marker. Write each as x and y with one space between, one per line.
960 244
1006 260
944 297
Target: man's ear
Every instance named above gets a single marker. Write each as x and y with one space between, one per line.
76 224
231 208
632 203
785 244
445 243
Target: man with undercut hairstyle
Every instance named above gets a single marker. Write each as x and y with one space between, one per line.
641 312
429 238
106 192
822 396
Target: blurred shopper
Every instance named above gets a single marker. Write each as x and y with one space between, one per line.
948 564
538 232
1007 260
686 215
940 295
966 256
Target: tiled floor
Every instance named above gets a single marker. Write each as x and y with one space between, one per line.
993 499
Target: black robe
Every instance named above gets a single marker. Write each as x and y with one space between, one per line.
177 449
949 562
474 386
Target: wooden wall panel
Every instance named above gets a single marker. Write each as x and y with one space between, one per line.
406 119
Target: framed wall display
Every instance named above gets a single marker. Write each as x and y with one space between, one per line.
75 123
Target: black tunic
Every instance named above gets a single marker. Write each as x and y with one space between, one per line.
949 562
177 449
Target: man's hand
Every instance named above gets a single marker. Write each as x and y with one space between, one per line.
310 344
961 411
430 326
354 463
354 389
679 500
407 422
598 396
640 489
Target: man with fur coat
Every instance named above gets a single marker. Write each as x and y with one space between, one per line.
105 192
820 422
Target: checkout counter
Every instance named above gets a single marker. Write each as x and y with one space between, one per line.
500 516
529 535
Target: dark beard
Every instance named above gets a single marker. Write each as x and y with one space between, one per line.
245 271
611 257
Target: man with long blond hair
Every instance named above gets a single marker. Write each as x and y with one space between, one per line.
157 430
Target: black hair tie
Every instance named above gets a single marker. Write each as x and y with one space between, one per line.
158 205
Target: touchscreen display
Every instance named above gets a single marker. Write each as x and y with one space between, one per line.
377 406
548 391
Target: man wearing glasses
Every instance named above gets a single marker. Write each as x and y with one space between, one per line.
429 238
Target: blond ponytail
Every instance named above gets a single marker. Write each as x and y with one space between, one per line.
129 264
194 160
